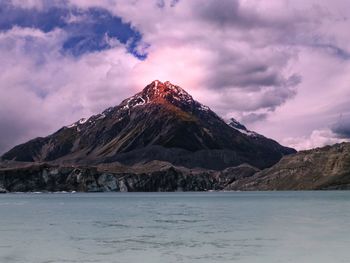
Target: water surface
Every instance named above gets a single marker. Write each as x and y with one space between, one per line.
176 227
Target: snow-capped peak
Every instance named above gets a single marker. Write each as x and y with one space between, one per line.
79 122
236 124
241 128
158 92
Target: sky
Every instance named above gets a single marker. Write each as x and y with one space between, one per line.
282 68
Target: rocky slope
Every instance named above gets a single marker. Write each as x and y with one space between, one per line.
324 168
162 122
151 177
321 168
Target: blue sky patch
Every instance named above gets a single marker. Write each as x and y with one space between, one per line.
88 30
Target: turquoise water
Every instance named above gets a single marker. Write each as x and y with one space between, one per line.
175 227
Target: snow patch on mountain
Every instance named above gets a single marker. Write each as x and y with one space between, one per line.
241 128
72 125
83 120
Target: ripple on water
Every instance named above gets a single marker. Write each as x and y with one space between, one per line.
225 227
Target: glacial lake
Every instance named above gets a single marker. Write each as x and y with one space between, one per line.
176 227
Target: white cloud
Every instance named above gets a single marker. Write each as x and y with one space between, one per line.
317 138
42 90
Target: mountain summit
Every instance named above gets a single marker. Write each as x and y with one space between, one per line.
158 92
162 122
163 93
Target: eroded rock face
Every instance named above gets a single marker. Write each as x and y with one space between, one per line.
2 190
321 168
152 177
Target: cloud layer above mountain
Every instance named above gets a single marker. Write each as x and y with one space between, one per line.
281 67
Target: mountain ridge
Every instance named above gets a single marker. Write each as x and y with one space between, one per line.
162 122
322 168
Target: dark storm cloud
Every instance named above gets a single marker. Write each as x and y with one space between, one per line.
222 12
342 126
250 53
262 78
342 130
253 117
231 13
246 76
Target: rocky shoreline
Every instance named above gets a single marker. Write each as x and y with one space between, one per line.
326 168
152 177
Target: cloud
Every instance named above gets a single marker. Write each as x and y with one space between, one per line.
239 64
253 117
318 138
47 89
281 67
342 126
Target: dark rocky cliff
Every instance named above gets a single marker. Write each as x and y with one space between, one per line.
326 168
152 177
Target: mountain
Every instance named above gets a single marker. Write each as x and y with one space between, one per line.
162 122
316 169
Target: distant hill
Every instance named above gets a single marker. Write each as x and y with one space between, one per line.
320 168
